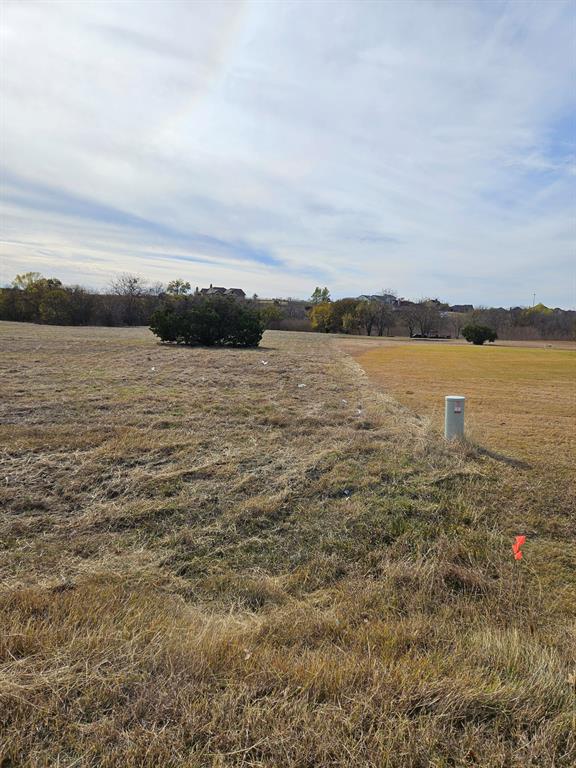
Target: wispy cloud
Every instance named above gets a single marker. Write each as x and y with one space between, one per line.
41 197
426 145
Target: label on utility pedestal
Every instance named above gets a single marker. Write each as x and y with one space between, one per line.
454 416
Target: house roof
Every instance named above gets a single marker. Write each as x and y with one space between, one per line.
219 289
386 298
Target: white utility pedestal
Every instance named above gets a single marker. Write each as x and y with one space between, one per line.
454 417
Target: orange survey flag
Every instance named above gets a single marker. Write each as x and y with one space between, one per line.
516 547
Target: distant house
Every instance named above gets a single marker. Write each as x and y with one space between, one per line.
383 298
461 308
236 293
211 291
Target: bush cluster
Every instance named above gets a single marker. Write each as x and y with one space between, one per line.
478 334
208 321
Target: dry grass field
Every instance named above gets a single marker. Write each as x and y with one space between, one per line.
520 400
259 558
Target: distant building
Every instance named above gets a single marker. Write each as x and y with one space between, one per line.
237 293
461 308
383 298
211 291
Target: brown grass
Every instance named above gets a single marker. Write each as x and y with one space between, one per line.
205 564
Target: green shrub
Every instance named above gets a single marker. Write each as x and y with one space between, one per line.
478 334
208 321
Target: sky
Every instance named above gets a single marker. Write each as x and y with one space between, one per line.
427 147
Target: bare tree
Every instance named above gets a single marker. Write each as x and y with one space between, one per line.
456 322
156 289
427 317
127 284
422 317
409 317
384 318
131 289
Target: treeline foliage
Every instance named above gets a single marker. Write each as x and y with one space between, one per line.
377 317
539 322
207 321
32 298
352 316
131 300
320 295
430 318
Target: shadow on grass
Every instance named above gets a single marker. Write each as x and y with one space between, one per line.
174 345
509 460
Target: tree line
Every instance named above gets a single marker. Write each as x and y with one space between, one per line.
32 298
131 300
432 318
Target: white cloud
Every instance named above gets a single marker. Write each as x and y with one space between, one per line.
280 144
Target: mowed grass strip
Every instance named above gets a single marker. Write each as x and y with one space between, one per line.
255 558
519 400
521 410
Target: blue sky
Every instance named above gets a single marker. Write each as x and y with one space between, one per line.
423 146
